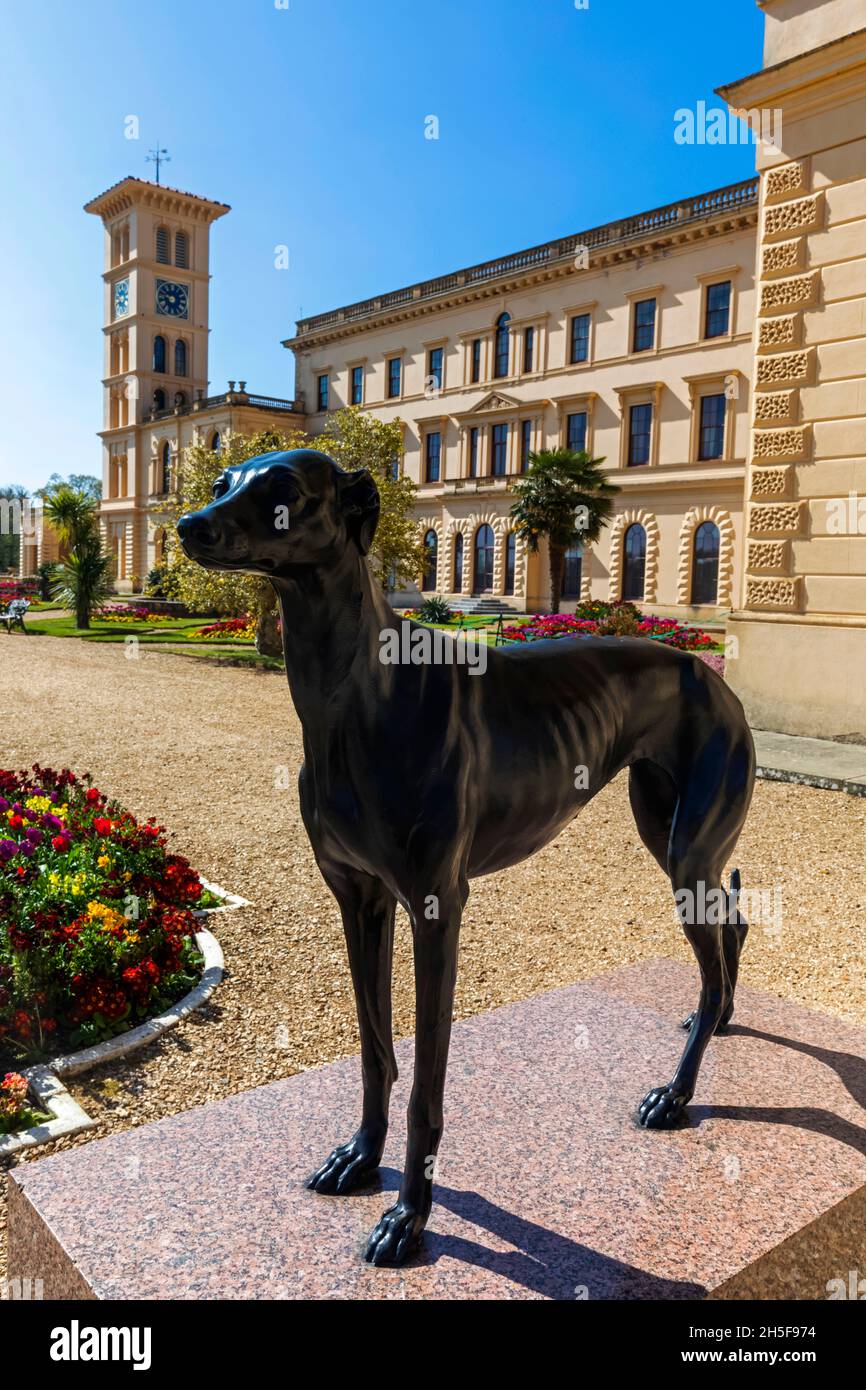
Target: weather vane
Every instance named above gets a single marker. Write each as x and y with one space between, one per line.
157 157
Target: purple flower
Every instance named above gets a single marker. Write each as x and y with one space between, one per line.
52 822
8 848
4 804
34 835
26 848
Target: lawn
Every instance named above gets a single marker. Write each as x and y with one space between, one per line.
165 630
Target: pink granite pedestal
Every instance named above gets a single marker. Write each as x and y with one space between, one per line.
546 1186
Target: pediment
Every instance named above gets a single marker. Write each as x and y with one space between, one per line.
493 401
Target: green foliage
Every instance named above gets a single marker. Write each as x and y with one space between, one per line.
84 578
84 483
565 497
157 579
434 610
47 575
356 439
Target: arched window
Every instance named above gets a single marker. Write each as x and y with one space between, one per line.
165 468
705 563
510 561
484 543
159 399
181 249
431 559
500 348
215 442
180 358
163 246
458 562
159 353
633 562
572 572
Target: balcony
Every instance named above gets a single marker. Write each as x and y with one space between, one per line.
232 397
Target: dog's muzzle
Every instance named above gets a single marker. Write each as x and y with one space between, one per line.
198 535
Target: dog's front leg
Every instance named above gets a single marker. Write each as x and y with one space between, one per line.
368 922
398 1234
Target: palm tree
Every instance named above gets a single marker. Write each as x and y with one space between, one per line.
73 515
566 497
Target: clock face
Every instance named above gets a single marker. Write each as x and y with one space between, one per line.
121 298
172 299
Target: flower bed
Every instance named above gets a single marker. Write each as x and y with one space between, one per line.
128 613
599 619
18 588
228 629
96 924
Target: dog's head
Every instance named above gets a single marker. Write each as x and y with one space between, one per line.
280 512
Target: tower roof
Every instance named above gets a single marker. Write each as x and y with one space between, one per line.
131 191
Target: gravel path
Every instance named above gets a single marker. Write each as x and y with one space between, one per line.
207 748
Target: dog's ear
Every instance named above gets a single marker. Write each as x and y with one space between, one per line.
358 499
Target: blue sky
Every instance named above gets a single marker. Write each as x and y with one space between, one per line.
309 120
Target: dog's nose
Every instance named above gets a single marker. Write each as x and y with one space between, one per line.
198 530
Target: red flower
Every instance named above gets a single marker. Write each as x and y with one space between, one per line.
92 794
101 825
61 843
16 821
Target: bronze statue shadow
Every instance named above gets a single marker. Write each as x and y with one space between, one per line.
851 1070
546 1263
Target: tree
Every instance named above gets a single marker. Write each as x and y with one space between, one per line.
79 482
565 496
356 439
84 578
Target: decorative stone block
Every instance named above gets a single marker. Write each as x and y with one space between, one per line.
798 289
772 593
770 482
804 215
766 555
545 1187
767 517
778 332
782 256
784 180
775 405
787 443
795 367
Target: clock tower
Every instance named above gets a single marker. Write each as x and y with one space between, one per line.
156 277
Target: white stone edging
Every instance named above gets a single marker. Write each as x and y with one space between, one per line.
44 1078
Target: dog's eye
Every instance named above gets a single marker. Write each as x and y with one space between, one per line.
220 488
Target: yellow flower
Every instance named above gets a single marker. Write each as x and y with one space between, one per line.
38 803
104 862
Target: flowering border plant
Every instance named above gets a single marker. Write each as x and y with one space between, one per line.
595 618
96 925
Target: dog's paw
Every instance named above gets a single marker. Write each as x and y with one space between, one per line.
396 1238
721 1026
662 1108
350 1166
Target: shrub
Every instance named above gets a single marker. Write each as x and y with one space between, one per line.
96 927
599 619
15 1112
434 610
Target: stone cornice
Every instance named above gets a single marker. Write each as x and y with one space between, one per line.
725 210
131 192
824 76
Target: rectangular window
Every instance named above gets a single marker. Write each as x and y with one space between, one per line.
644 325
525 443
499 449
718 312
323 393
575 431
473 452
712 428
476 359
434 367
357 396
640 424
433 449
580 338
394 374
528 349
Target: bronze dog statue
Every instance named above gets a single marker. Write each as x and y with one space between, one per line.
419 777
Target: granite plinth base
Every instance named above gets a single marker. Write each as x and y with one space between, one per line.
546 1186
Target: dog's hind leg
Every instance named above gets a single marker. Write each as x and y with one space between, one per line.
653 796
734 933
368 922
398 1234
